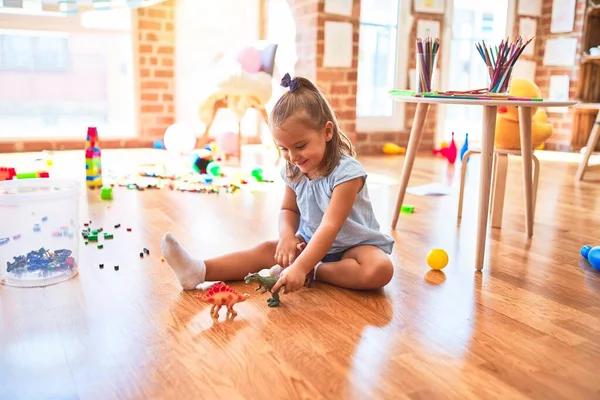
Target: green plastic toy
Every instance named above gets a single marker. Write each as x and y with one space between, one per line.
257 174
106 193
407 208
213 169
266 283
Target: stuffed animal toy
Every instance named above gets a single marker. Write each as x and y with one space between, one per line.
507 119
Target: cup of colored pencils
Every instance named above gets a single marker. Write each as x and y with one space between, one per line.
427 52
500 61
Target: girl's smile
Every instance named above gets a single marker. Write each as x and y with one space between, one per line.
301 145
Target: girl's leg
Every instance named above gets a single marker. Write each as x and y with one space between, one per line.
362 267
234 266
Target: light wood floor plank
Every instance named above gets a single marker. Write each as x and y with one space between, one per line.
526 327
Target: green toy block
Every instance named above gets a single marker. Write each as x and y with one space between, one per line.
92 238
108 235
407 208
100 246
106 193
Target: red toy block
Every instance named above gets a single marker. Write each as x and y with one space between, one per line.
43 174
6 174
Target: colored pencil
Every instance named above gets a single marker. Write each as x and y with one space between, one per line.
501 61
427 50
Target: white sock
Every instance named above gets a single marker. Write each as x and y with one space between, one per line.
189 272
317 266
275 270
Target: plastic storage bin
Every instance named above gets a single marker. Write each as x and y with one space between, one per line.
39 242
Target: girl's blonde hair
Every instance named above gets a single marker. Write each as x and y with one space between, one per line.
307 105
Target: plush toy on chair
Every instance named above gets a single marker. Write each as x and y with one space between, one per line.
507 120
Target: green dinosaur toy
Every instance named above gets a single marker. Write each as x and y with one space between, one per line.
266 283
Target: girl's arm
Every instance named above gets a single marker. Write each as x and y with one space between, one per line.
342 200
289 216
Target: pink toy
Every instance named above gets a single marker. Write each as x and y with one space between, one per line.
449 152
250 60
227 142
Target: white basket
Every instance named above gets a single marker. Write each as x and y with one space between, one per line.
39 238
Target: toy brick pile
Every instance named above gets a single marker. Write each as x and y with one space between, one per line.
210 180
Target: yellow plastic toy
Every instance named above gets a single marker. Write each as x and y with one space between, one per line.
392 148
507 119
437 259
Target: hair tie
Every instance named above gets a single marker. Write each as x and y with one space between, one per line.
287 81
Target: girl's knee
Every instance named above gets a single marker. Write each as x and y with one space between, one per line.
379 274
268 246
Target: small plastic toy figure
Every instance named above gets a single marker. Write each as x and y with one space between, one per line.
220 295
266 283
106 193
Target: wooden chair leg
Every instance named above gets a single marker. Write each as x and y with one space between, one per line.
501 168
463 175
203 140
265 116
591 145
239 149
536 177
494 176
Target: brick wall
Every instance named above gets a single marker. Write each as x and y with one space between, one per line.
156 45
306 16
156 48
561 122
338 84
156 56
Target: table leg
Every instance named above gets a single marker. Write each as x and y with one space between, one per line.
487 153
527 154
411 152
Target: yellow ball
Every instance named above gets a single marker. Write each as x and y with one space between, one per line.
437 258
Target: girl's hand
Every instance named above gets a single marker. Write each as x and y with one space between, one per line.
287 250
291 279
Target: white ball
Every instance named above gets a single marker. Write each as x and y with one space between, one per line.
180 138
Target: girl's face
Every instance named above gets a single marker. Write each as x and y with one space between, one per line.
303 146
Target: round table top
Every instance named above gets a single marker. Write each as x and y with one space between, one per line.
482 102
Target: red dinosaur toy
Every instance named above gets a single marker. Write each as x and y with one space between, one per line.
220 295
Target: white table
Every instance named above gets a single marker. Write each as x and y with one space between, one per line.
487 151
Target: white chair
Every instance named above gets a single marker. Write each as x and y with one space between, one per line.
591 145
498 190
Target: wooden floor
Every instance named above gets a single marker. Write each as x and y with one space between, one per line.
526 327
